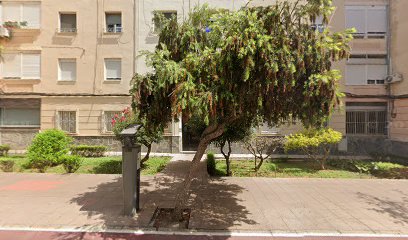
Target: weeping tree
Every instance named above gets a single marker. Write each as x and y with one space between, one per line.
265 63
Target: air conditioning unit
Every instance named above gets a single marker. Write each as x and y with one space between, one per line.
4 32
396 77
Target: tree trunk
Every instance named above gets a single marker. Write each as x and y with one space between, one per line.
227 156
209 134
257 167
146 157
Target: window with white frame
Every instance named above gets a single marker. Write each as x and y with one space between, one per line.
26 14
20 66
113 22
113 69
107 117
19 117
366 70
366 119
68 23
67 121
67 69
370 21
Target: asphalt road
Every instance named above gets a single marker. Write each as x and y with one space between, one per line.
48 235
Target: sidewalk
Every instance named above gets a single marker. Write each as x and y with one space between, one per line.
94 202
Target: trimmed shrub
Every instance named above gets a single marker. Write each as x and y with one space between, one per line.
71 163
89 150
7 165
40 164
47 149
211 166
315 143
4 150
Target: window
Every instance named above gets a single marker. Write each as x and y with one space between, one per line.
160 17
27 14
67 70
366 70
68 23
366 119
107 120
113 22
318 24
66 121
369 21
21 117
113 69
20 66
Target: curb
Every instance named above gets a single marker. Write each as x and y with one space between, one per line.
206 233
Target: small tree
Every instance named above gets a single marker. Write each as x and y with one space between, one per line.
234 133
143 136
315 143
262 148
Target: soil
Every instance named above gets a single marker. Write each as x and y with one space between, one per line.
162 218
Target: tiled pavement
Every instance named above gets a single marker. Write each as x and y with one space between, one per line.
94 202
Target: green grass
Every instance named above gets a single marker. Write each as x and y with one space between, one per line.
291 169
101 165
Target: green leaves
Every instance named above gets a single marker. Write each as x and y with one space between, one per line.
263 63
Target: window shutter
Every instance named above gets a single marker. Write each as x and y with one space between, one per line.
376 20
376 72
113 69
67 69
356 75
11 65
355 18
31 66
11 12
31 14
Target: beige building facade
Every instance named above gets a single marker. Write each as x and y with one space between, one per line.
71 66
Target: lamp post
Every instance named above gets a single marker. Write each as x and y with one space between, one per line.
131 156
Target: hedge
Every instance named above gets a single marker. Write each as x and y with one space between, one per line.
4 150
89 150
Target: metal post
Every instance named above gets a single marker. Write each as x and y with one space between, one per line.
131 179
131 157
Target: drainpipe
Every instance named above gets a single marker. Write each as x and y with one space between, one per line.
135 34
389 69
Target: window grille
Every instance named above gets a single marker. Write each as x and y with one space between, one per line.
67 121
366 122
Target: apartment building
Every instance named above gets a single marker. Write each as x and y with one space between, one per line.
66 65
73 62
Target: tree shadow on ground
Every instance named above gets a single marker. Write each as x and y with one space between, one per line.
214 203
397 210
